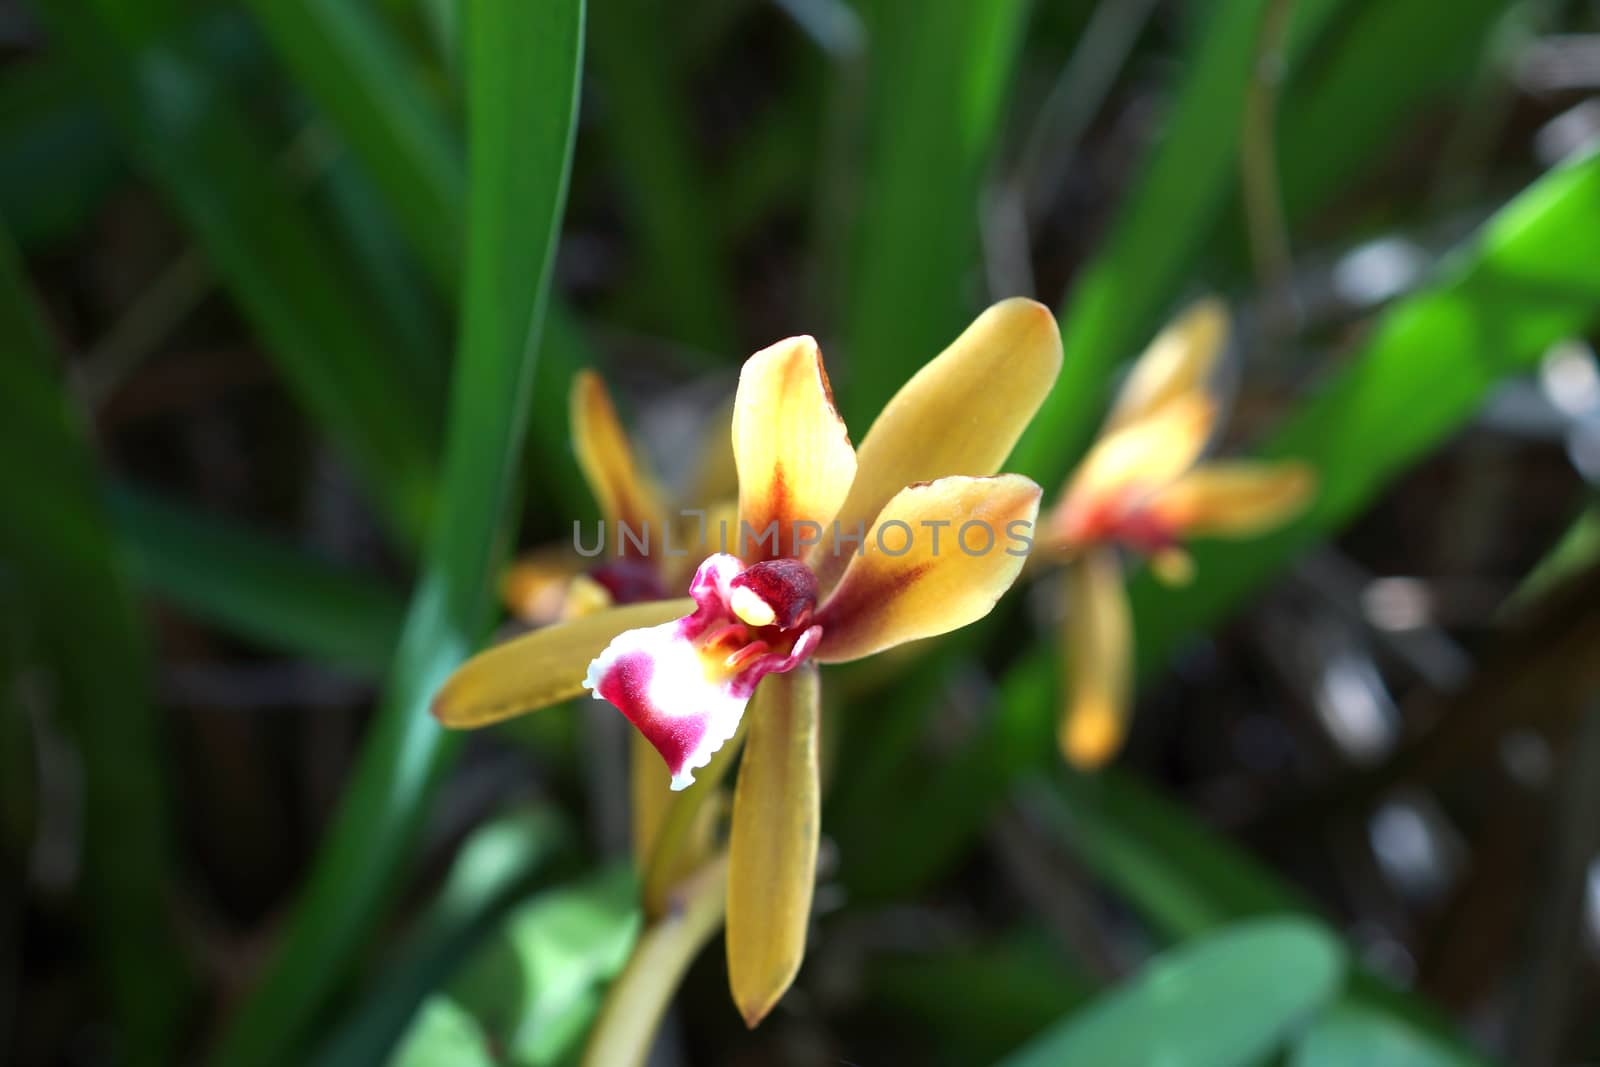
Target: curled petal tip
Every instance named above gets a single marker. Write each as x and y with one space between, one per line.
1090 737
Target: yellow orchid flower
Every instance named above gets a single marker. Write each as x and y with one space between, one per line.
841 553
1142 489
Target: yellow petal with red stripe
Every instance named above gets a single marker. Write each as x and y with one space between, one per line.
540 668
960 414
1128 467
794 457
622 490
772 850
939 555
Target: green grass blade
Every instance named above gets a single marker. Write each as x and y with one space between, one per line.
1118 300
256 586
1529 280
66 565
181 129
941 76
343 55
647 129
522 70
1226 1000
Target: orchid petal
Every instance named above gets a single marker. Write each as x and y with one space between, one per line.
965 541
960 414
535 587
1128 467
772 852
624 493
1179 362
538 669
1235 499
1098 635
793 455
656 677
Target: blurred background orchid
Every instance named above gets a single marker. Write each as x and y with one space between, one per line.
308 309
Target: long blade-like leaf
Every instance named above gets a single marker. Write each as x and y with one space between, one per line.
941 76
54 537
343 55
1229 999
522 68
256 586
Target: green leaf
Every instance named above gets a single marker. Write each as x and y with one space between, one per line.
977 1001
1525 282
1225 1000
1118 300
532 992
184 133
60 159
445 1035
343 54
1352 1034
522 66
98 678
941 77
1343 113
255 585
493 865
647 129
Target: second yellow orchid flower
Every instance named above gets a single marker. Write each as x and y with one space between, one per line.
1142 489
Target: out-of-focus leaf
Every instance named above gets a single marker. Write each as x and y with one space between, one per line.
180 128
445 1035
255 585
493 864
59 158
941 75
1118 299
55 540
344 56
533 990
1525 282
646 124
1350 1034
1575 552
1351 105
522 70
413 307
1184 879
1225 1000
978 1002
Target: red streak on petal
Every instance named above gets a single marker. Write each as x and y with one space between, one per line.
627 686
